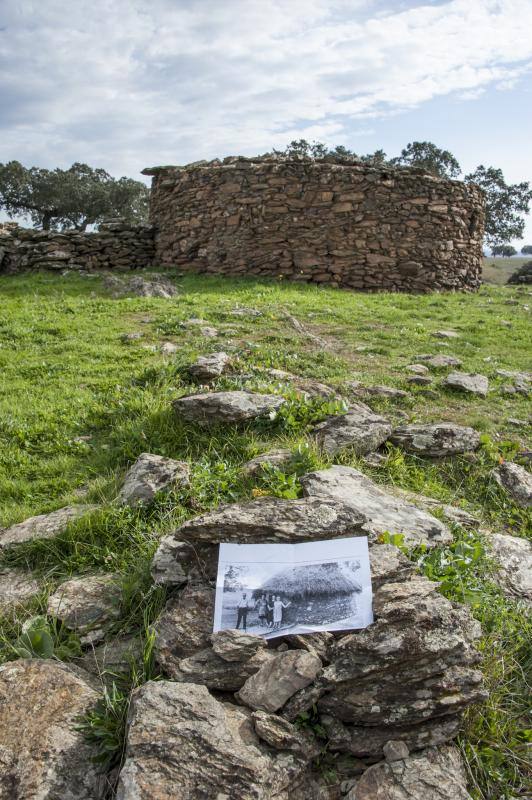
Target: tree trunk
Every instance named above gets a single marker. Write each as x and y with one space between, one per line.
46 220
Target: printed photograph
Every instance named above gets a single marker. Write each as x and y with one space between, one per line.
278 589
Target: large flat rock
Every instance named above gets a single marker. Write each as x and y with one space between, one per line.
43 526
216 408
182 742
383 511
42 754
149 475
360 429
436 440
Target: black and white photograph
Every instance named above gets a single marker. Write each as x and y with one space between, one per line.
279 589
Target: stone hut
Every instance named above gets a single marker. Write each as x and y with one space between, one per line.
340 223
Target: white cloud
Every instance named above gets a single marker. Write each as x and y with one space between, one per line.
126 83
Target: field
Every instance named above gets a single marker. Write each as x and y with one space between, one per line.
497 270
79 402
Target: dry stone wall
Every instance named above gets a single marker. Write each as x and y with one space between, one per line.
115 246
343 224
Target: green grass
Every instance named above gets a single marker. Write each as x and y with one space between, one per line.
78 404
497 270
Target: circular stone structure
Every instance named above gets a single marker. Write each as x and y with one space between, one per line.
338 223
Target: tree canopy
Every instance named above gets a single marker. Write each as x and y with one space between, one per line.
527 250
506 250
428 156
506 205
70 198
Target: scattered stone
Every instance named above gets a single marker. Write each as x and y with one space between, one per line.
131 337
374 459
220 407
468 382
149 475
453 513
436 440
175 562
306 386
16 588
278 679
112 659
383 511
44 526
418 369
282 735
274 458
215 752
88 605
380 391
395 750
185 626
420 380
516 481
442 361
518 423
42 752
208 368
210 670
209 333
446 334
273 519
433 774
156 286
514 557
245 311
520 376
193 321
234 645
359 428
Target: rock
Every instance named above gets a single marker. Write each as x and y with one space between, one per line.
175 562
316 643
215 408
446 334
208 368
389 565
44 526
468 382
519 376
420 380
169 348
272 519
442 361
383 511
88 605
359 428
42 753
274 458
513 555
234 645
516 481
374 459
436 440
185 625
307 386
380 391
433 774
453 513
149 475
215 752
112 659
418 369
395 750
278 679
156 286
244 311
282 735
16 588
208 669
208 332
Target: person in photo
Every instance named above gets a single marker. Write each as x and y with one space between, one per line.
269 611
243 608
262 610
278 607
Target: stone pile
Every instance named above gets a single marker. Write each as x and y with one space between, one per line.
116 245
344 224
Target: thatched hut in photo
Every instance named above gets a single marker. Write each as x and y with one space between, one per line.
318 593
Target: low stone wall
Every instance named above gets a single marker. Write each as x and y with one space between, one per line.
342 224
115 246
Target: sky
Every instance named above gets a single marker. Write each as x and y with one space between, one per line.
125 84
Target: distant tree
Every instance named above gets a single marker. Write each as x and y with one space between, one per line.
505 250
527 250
71 198
506 205
429 157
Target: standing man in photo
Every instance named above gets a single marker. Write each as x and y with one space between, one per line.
243 608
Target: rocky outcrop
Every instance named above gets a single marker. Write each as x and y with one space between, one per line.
470 382
208 368
436 441
42 752
434 774
359 429
516 482
216 408
383 511
154 286
215 751
88 605
44 526
149 475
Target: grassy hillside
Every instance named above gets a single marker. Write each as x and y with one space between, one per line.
79 402
497 270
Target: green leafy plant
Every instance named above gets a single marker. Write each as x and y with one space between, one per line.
42 639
